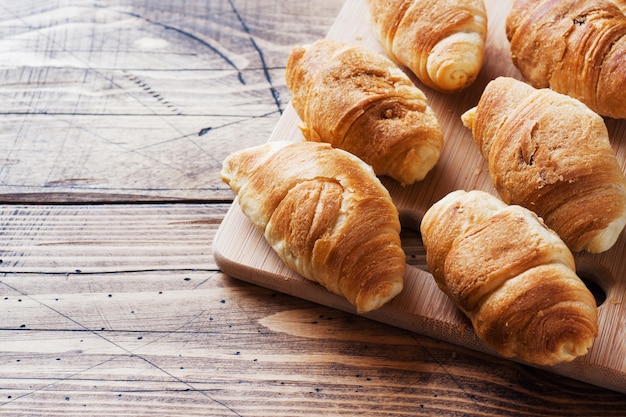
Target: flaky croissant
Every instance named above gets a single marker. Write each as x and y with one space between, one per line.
575 47
441 41
360 101
326 215
551 154
513 277
621 4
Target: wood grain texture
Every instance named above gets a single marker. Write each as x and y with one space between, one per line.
72 239
151 332
141 98
120 309
421 307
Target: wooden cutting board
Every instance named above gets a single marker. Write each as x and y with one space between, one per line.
241 251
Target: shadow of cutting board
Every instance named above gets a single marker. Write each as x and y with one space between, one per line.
241 251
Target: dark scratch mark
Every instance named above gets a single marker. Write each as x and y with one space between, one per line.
70 182
444 367
268 77
201 283
188 136
190 36
204 43
204 131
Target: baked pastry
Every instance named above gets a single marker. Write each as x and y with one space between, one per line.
326 214
360 101
513 277
621 4
551 154
441 41
575 47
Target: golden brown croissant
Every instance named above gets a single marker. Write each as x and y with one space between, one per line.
441 41
621 4
326 214
513 277
551 154
575 47
359 101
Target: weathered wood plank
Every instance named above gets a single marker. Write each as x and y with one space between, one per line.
191 343
141 99
107 238
112 310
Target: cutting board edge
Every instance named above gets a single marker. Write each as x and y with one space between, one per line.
453 333
287 129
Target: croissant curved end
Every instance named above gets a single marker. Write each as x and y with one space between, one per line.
419 161
429 156
570 351
454 62
469 117
366 303
607 237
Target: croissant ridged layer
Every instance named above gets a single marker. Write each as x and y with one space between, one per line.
513 277
621 4
441 41
551 154
326 214
575 47
360 101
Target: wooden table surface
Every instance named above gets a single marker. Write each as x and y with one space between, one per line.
115 117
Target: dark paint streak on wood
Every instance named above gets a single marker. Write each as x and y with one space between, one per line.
192 37
268 77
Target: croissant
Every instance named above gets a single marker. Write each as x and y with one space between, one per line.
621 4
441 41
575 47
511 276
326 214
360 101
551 154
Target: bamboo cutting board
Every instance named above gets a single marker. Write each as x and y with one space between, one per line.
241 251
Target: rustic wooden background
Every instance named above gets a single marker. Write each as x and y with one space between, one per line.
114 119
